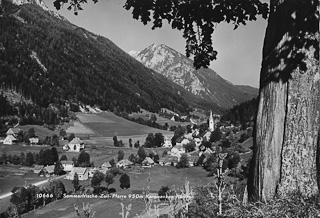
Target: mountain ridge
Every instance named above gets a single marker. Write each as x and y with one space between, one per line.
52 61
205 83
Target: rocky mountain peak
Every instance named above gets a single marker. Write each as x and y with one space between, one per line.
203 82
37 2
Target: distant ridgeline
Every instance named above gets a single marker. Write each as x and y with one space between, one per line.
243 112
55 64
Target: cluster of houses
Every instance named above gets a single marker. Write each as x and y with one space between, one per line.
12 136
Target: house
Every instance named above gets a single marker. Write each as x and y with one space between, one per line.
67 165
177 150
9 140
13 131
76 145
37 168
49 169
124 163
34 140
91 171
148 162
167 143
106 165
83 173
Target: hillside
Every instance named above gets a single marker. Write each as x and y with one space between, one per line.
49 61
204 83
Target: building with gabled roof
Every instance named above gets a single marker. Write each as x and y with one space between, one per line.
13 131
9 140
67 165
76 145
124 163
82 172
148 162
106 165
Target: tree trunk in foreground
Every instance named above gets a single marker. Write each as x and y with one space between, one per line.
286 137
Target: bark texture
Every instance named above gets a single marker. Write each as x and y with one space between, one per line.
286 152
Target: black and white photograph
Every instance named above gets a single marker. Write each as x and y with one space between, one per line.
159 109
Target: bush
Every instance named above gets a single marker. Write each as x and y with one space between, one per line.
124 181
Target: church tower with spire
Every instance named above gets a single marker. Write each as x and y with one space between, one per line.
211 123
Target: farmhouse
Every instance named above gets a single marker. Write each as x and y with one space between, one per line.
9 140
148 162
167 143
49 169
177 150
124 163
34 140
106 165
37 168
76 145
91 171
82 172
67 165
13 131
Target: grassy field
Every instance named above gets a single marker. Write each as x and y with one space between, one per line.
154 178
40 131
161 120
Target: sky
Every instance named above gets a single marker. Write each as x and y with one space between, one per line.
239 51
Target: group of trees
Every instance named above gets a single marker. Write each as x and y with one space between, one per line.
30 197
141 156
154 140
47 156
99 177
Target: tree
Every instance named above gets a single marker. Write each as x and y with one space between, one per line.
31 133
163 192
55 140
83 159
63 158
57 188
120 155
215 135
184 161
124 181
75 182
96 180
109 178
112 163
287 125
158 139
29 159
287 122
137 144
149 141
142 154
58 169
115 141
132 158
71 136
62 133
20 198
191 146
130 142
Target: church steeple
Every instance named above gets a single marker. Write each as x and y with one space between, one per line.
211 123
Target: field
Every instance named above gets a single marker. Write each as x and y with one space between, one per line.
40 131
161 120
153 178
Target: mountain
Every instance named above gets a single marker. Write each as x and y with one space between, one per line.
51 61
203 82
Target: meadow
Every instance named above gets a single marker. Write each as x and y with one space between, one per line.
151 178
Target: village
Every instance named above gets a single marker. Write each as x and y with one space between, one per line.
170 157
75 156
